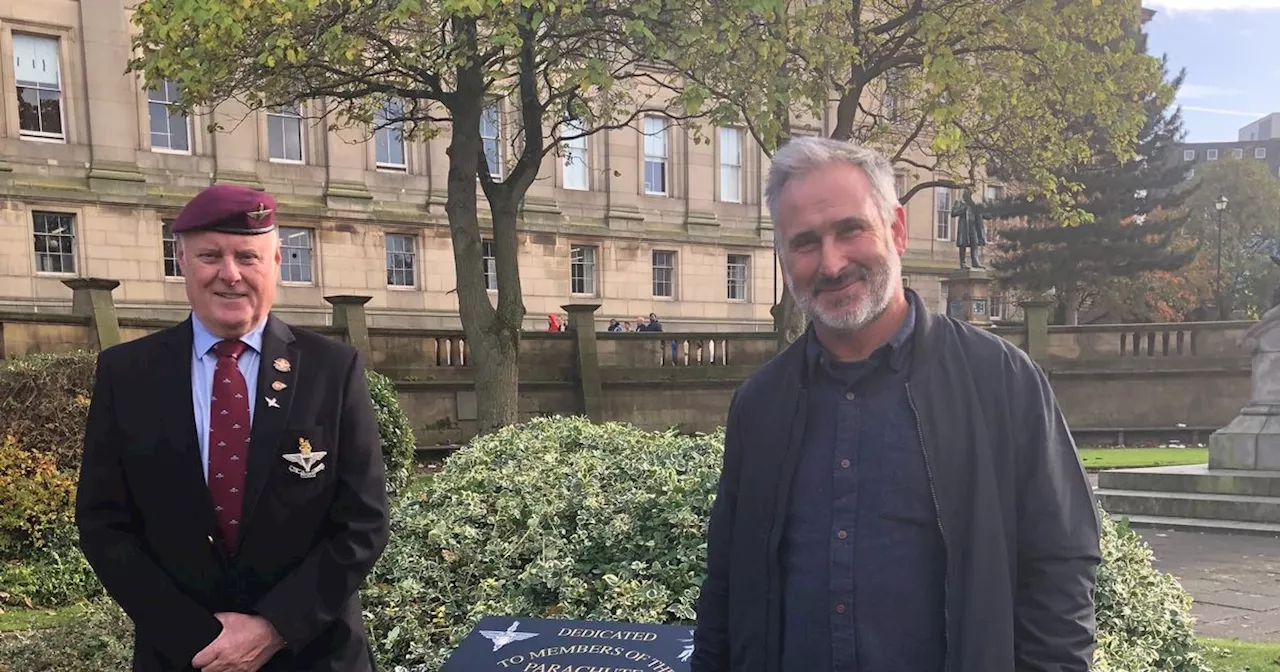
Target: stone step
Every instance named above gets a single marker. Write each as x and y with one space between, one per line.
1211 506
1203 525
1193 479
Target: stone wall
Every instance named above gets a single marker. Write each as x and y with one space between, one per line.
1114 382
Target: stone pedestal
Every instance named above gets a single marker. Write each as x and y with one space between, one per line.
1036 317
91 298
582 324
348 315
968 293
1252 440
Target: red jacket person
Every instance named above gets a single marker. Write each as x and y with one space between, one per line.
232 494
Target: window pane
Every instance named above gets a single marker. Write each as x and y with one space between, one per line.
284 133
29 110
582 270
35 60
179 136
490 135
400 260
664 263
655 177
942 199
275 136
389 138
730 184
655 137
293 139
51 111
159 117
730 152
575 168
168 242
490 265
295 247
54 242
493 158
737 277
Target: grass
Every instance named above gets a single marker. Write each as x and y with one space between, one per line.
17 619
1227 655
1133 458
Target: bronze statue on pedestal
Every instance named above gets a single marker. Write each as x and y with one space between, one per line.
971 228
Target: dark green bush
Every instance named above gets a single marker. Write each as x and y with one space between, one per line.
395 430
44 403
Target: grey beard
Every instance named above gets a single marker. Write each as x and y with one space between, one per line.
857 316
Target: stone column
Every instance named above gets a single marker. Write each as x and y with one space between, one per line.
113 125
968 293
582 322
1252 440
349 316
91 298
1036 315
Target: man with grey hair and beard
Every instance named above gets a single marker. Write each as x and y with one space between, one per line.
900 492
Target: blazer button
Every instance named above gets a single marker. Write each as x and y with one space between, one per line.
848 395
844 464
842 534
839 608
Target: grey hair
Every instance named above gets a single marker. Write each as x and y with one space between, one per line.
805 154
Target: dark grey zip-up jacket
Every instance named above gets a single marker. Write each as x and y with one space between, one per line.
1017 513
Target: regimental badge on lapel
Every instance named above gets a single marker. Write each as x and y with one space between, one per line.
307 460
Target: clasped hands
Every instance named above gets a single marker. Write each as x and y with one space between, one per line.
245 644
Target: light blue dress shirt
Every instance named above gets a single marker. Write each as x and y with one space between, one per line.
203 362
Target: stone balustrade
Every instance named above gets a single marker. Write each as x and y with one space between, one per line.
1113 380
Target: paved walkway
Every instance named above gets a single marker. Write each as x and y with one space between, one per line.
1235 580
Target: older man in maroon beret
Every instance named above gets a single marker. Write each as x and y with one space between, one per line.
232 496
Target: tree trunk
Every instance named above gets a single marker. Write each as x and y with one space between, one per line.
1071 306
493 337
494 345
788 320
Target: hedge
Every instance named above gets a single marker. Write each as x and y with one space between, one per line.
44 402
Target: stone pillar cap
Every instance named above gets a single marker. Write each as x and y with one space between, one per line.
580 307
348 299
91 283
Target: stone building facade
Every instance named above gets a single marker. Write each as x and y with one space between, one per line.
641 220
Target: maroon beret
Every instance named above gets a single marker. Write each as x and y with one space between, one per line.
228 208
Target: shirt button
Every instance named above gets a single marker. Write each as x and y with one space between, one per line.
842 534
839 608
844 464
848 395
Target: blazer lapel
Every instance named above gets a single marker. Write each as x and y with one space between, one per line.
179 417
281 360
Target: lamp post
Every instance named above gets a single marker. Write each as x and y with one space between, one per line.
1221 206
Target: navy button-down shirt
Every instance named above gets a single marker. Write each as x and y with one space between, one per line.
862 556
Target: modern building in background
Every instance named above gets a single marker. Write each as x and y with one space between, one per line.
1259 141
93 166
1266 128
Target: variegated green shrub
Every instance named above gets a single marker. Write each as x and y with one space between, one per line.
1144 615
558 517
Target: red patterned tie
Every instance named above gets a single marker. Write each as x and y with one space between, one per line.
228 440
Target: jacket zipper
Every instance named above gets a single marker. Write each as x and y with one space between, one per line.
946 575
